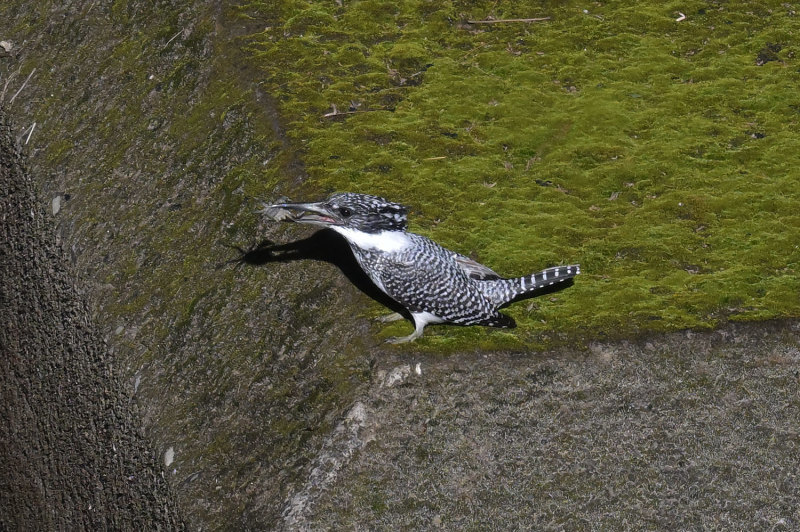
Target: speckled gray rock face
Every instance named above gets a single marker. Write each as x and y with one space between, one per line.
240 369
66 418
678 431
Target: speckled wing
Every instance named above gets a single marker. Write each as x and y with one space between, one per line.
431 279
474 269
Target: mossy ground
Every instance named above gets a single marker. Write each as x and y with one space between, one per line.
660 154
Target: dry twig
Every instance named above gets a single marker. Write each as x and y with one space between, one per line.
33 126
502 20
337 112
20 89
172 39
5 86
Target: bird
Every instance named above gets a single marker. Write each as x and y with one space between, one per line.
432 283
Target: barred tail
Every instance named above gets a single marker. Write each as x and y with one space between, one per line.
503 291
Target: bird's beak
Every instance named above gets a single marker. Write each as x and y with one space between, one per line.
304 213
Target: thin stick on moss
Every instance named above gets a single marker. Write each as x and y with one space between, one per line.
5 86
502 20
336 112
23 86
172 38
33 126
29 131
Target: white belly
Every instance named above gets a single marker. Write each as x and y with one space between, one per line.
424 318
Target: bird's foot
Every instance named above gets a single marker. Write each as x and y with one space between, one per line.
401 339
404 339
394 316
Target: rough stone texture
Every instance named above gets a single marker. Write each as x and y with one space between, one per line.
684 431
72 456
150 129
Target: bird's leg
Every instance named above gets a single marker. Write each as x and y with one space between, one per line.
394 316
420 325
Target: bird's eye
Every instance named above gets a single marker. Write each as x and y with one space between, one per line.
344 211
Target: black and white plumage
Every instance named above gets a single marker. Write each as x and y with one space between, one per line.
434 284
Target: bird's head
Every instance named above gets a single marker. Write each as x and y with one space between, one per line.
362 212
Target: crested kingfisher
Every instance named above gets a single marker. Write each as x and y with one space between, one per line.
434 284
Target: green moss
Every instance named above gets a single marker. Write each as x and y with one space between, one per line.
657 153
